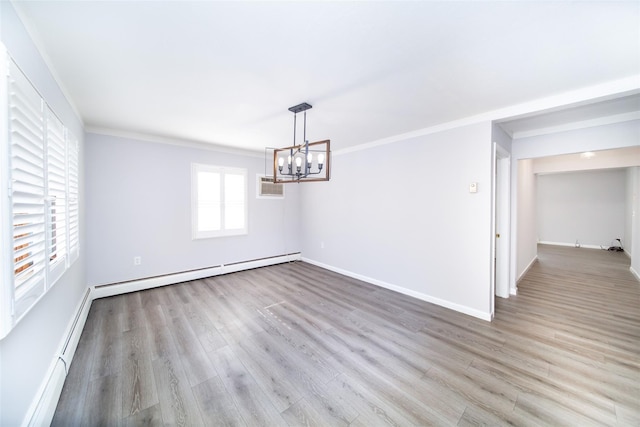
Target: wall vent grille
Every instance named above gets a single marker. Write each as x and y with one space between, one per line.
268 189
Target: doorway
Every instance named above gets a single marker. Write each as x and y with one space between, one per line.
501 224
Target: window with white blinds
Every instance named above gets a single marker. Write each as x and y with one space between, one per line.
41 228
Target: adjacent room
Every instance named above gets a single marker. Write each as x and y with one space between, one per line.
320 213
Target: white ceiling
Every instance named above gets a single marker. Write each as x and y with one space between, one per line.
226 72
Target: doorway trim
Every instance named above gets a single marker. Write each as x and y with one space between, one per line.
500 224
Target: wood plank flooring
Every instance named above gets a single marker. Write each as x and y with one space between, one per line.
294 344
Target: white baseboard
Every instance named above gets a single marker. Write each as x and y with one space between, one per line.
526 269
44 405
635 273
424 297
186 276
573 245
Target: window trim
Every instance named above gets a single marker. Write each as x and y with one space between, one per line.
196 233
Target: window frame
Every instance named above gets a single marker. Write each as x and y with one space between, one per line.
224 172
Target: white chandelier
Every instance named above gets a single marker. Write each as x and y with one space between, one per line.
305 162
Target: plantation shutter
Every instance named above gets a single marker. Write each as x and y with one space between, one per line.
39 188
26 168
56 196
74 218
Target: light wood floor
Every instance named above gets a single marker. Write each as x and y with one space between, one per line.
294 344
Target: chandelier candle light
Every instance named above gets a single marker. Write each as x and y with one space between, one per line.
304 162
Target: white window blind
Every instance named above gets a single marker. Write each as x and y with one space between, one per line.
27 189
219 201
56 195
72 182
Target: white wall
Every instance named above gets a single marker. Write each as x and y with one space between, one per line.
632 234
28 352
586 207
629 209
139 202
401 215
525 185
500 137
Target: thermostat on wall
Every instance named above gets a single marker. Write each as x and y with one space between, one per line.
473 187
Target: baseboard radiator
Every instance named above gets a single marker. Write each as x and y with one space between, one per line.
44 405
102 291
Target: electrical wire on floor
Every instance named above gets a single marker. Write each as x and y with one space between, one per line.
614 247
62 359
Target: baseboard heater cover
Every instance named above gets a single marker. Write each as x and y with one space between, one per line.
102 291
44 405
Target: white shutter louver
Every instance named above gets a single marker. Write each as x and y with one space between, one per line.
74 218
56 196
26 160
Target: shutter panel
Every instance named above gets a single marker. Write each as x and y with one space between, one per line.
26 167
73 203
40 209
56 196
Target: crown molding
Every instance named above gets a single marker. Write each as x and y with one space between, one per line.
602 92
36 39
199 145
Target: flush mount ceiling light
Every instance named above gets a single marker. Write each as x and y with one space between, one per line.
305 162
587 154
